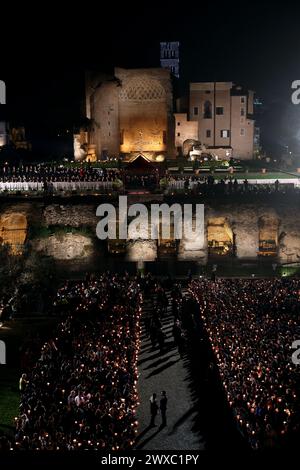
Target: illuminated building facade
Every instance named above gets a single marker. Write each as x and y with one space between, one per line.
223 114
169 56
130 113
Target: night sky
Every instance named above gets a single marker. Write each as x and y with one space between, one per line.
43 57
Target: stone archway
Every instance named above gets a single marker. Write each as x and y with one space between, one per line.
13 231
220 237
268 235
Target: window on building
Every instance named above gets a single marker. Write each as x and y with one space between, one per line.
122 137
207 114
178 123
178 134
164 137
242 111
219 110
225 133
208 133
242 131
196 111
242 99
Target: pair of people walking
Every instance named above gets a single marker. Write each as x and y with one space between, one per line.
162 407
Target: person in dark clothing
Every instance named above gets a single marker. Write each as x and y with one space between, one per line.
176 331
178 337
161 340
153 409
147 323
163 408
153 334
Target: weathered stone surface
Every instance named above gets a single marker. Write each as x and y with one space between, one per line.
194 247
132 111
71 215
193 255
69 246
142 250
248 222
245 221
289 235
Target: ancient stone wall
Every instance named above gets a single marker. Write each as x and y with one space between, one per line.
66 247
145 104
70 215
282 223
105 131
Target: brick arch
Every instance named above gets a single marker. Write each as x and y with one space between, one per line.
142 89
13 230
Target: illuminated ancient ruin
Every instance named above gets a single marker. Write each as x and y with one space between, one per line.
219 237
130 113
13 231
268 236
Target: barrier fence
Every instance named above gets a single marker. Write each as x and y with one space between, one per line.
57 186
180 184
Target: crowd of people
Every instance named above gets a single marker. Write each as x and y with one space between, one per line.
46 173
81 393
208 185
47 177
251 325
157 294
54 173
44 177
147 181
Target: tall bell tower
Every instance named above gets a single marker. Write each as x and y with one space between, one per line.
169 56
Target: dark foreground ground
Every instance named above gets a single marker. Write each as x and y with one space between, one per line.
197 417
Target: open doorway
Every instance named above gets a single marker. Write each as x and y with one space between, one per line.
220 237
167 246
268 236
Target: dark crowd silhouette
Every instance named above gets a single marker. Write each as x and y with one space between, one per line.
251 326
81 393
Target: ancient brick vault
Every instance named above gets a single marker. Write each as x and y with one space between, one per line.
129 113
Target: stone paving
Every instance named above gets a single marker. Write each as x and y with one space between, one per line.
167 372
